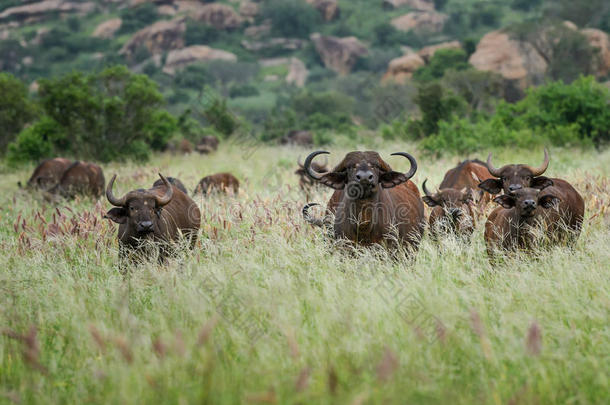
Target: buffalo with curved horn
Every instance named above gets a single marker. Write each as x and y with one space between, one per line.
513 177
160 214
306 183
371 202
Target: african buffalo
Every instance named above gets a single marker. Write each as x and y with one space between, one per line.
301 138
174 181
221 182
48 173
526 215
80 178
160 214
511 178
207 144
371 201
305 182
453 206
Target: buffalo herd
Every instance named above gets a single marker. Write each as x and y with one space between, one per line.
371 204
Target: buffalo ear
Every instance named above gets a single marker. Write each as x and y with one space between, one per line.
429 201
334 180
505 201
548 201
492 186
118 215
392 179
541 182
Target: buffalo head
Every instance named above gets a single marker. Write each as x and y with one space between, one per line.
511 178
454 202
139 210
527 201
361 174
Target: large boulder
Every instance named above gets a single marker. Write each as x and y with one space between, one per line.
421 22
180 58
518 62
428 52
329 9
339 54
47 8
599 40
425 5
157 38
256 31
108 28
401 69
248 10
220 16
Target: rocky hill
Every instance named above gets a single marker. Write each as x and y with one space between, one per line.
258 53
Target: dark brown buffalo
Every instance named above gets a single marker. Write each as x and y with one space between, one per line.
207 144
174 181
526 216
81 178
160 214
301 138
219 182
371 201
454 204
306 183
511 178
48 173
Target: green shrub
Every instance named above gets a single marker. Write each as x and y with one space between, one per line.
193 77
160 129
554 114
244 90
583 103
36 142
16 109
442 61
106 116
138 17
435 104
218 115
290 18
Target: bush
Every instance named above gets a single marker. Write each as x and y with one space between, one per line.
220 117
16 109
135 18
106 116
436 104
193 77
245 90
442 61
290 18
36 142
557 114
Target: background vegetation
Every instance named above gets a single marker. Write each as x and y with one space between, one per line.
448 105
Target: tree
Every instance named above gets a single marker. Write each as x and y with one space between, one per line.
291 18
16 109
110 115
442 61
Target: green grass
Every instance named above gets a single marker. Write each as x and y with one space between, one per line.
330 321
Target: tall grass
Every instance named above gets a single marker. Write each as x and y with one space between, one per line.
267 310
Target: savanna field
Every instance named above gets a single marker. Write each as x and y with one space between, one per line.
267 309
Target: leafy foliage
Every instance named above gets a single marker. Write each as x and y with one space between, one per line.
16 109
107 116
291 18
442 61
557 114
